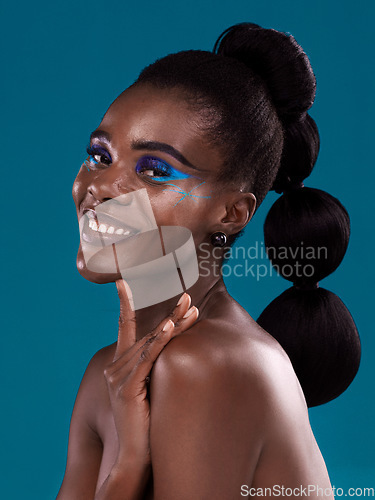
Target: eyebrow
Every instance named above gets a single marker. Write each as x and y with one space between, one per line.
101 135
164 148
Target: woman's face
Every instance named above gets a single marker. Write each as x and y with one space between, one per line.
148 140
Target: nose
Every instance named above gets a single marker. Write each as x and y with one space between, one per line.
107 184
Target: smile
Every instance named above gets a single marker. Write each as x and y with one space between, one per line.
116 219
104 228
106 231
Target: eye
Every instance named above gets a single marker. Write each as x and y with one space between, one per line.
98 156
158 170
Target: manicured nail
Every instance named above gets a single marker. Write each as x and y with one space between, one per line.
168 325
190 312
182 298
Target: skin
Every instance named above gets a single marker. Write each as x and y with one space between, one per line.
225 407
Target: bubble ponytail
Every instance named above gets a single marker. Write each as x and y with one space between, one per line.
306 236
306 230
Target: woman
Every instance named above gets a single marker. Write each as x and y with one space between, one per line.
217 410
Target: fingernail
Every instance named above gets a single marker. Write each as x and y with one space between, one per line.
190 312
182 298
168 325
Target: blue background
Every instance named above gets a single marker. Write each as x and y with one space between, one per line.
63 64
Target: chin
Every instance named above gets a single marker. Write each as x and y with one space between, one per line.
100 278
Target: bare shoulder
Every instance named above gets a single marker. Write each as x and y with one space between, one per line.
227 408
227 348
226 373
97 363
92 393
227 362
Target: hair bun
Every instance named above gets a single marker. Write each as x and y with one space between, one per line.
279 60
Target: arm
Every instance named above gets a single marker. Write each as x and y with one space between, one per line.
85 447
127 479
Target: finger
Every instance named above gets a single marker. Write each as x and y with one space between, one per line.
187 320
151 351
177 313
119 374
127 322
145 361
176 316
126 362
147 353
181 308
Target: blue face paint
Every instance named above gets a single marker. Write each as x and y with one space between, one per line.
159 170
186 194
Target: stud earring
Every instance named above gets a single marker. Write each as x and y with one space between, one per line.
218 239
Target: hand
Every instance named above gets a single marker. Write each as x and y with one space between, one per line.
127 375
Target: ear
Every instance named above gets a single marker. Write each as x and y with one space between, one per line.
239 210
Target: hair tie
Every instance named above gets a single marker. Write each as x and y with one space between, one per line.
288 119
293 186
287 185
306 286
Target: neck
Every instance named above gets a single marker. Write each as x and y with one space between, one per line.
209 282
149 317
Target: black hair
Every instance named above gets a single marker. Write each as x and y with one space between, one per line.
306 235
253 92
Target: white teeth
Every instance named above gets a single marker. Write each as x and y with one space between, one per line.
93 225
103 228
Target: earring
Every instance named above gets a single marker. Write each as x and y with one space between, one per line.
218 239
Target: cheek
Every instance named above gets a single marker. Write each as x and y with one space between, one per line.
184 205
188 194
78 186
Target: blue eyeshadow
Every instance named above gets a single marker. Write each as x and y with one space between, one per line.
162 171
